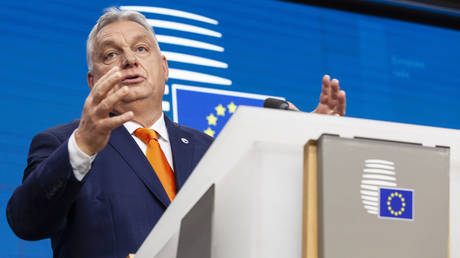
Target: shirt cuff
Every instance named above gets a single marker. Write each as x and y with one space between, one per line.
80 161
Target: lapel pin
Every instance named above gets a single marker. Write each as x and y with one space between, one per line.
184 140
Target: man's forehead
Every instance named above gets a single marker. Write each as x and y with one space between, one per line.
127 29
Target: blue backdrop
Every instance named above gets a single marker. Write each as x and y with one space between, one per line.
391 70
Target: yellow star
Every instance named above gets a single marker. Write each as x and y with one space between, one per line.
212 119
220 110
209 132
231 107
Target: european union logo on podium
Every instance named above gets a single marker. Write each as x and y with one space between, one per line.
396 203
207 109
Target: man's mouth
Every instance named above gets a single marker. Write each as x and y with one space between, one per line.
132 79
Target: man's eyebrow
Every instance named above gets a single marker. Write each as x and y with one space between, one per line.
142 37
107 43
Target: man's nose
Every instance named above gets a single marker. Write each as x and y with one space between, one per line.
129 60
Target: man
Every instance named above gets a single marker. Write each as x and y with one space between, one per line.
92 185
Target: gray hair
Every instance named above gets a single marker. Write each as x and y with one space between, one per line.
112 15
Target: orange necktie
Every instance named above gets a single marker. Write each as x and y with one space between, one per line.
158 160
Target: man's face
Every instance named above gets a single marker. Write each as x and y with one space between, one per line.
144 70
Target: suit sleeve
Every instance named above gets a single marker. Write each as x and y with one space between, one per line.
38 208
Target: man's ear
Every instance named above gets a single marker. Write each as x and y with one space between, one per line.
165 67
90 80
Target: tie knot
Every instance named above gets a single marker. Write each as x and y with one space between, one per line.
146 135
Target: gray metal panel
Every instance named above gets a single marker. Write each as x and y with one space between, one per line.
170 248
347 229
196 228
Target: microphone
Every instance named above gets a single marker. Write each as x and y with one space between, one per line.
277 104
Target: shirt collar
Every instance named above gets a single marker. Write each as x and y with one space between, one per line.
159 126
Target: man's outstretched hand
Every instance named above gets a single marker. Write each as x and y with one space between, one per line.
332 100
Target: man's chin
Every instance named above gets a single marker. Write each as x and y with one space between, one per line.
132 98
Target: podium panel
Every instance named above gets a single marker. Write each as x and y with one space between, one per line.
379 199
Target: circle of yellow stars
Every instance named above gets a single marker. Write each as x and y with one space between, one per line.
403 204
220 111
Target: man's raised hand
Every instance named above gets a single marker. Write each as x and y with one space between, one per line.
93 132
332 100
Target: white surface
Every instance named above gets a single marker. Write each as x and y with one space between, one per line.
241 233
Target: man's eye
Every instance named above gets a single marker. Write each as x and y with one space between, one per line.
141 49
110 56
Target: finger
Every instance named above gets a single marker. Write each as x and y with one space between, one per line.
325 90
292 106
342 103
106 105
105 76
103 85
332 101
335 88
113 122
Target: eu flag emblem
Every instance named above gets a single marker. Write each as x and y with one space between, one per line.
207 109
396 203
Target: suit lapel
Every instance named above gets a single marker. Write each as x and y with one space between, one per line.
125 145
182 148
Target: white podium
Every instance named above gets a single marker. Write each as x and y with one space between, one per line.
255 172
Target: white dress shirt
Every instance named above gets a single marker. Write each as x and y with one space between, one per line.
81 162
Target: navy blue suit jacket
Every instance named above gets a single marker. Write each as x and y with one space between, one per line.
113 209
